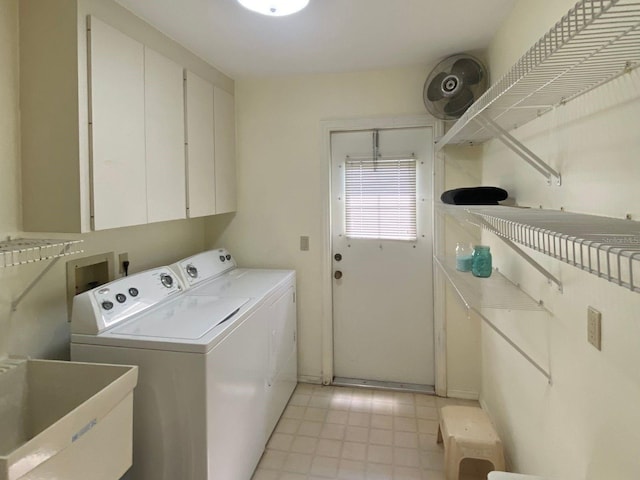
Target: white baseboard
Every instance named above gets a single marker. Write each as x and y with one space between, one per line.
316 380
507 458
463 394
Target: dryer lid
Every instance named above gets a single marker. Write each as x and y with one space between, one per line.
189 318
242 282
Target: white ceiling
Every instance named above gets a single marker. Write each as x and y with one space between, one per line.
328 36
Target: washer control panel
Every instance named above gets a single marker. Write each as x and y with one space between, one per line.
114 302
204 266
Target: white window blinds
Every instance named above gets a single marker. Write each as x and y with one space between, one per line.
380 198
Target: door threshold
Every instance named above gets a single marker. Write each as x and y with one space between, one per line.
375 384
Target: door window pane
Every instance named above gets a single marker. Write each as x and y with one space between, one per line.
380 198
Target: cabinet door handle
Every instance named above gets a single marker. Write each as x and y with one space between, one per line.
337 275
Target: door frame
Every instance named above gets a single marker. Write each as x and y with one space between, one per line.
354 124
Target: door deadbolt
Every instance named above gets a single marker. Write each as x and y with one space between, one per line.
337 275
337 257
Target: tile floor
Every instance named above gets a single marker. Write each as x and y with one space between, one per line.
355 434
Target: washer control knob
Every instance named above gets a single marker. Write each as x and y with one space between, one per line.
222 259
192 271
133 292
107 305
228 257
167 280
121 297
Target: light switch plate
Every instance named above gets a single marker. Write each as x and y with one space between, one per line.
304 243
594 327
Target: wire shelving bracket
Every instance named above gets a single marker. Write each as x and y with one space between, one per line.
546 273
24 251
595 42
606 247
552 175
495 292
467 214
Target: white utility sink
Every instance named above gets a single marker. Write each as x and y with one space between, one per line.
65 420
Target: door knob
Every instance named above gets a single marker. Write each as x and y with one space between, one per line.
337 275
337 257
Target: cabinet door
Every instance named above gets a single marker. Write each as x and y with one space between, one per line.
164 126
118 171
201 184
225 150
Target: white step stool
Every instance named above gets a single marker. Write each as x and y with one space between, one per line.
467 433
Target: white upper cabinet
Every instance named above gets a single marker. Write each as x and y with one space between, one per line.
211 149
104 107
201 181
117 133
225 150
164 127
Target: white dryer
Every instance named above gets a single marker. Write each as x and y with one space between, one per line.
215 273
202 395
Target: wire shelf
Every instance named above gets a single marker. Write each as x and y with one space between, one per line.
21 251
606 247
494 292
594 43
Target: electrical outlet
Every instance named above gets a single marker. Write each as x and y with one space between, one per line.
123 257
594 321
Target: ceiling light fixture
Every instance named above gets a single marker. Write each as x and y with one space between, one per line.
274 8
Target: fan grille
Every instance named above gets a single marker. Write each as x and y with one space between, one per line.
453 85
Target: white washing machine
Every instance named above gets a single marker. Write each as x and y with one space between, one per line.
201 405
215 273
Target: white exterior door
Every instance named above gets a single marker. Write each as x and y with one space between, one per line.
382 255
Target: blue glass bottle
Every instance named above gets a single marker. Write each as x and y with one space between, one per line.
481 263
463 257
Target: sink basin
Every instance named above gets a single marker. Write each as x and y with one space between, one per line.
66 420
511 476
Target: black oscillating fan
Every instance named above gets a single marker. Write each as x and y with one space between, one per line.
455 83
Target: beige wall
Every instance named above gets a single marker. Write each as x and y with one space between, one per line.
9 124
39 327
283 186
463 169
586 423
